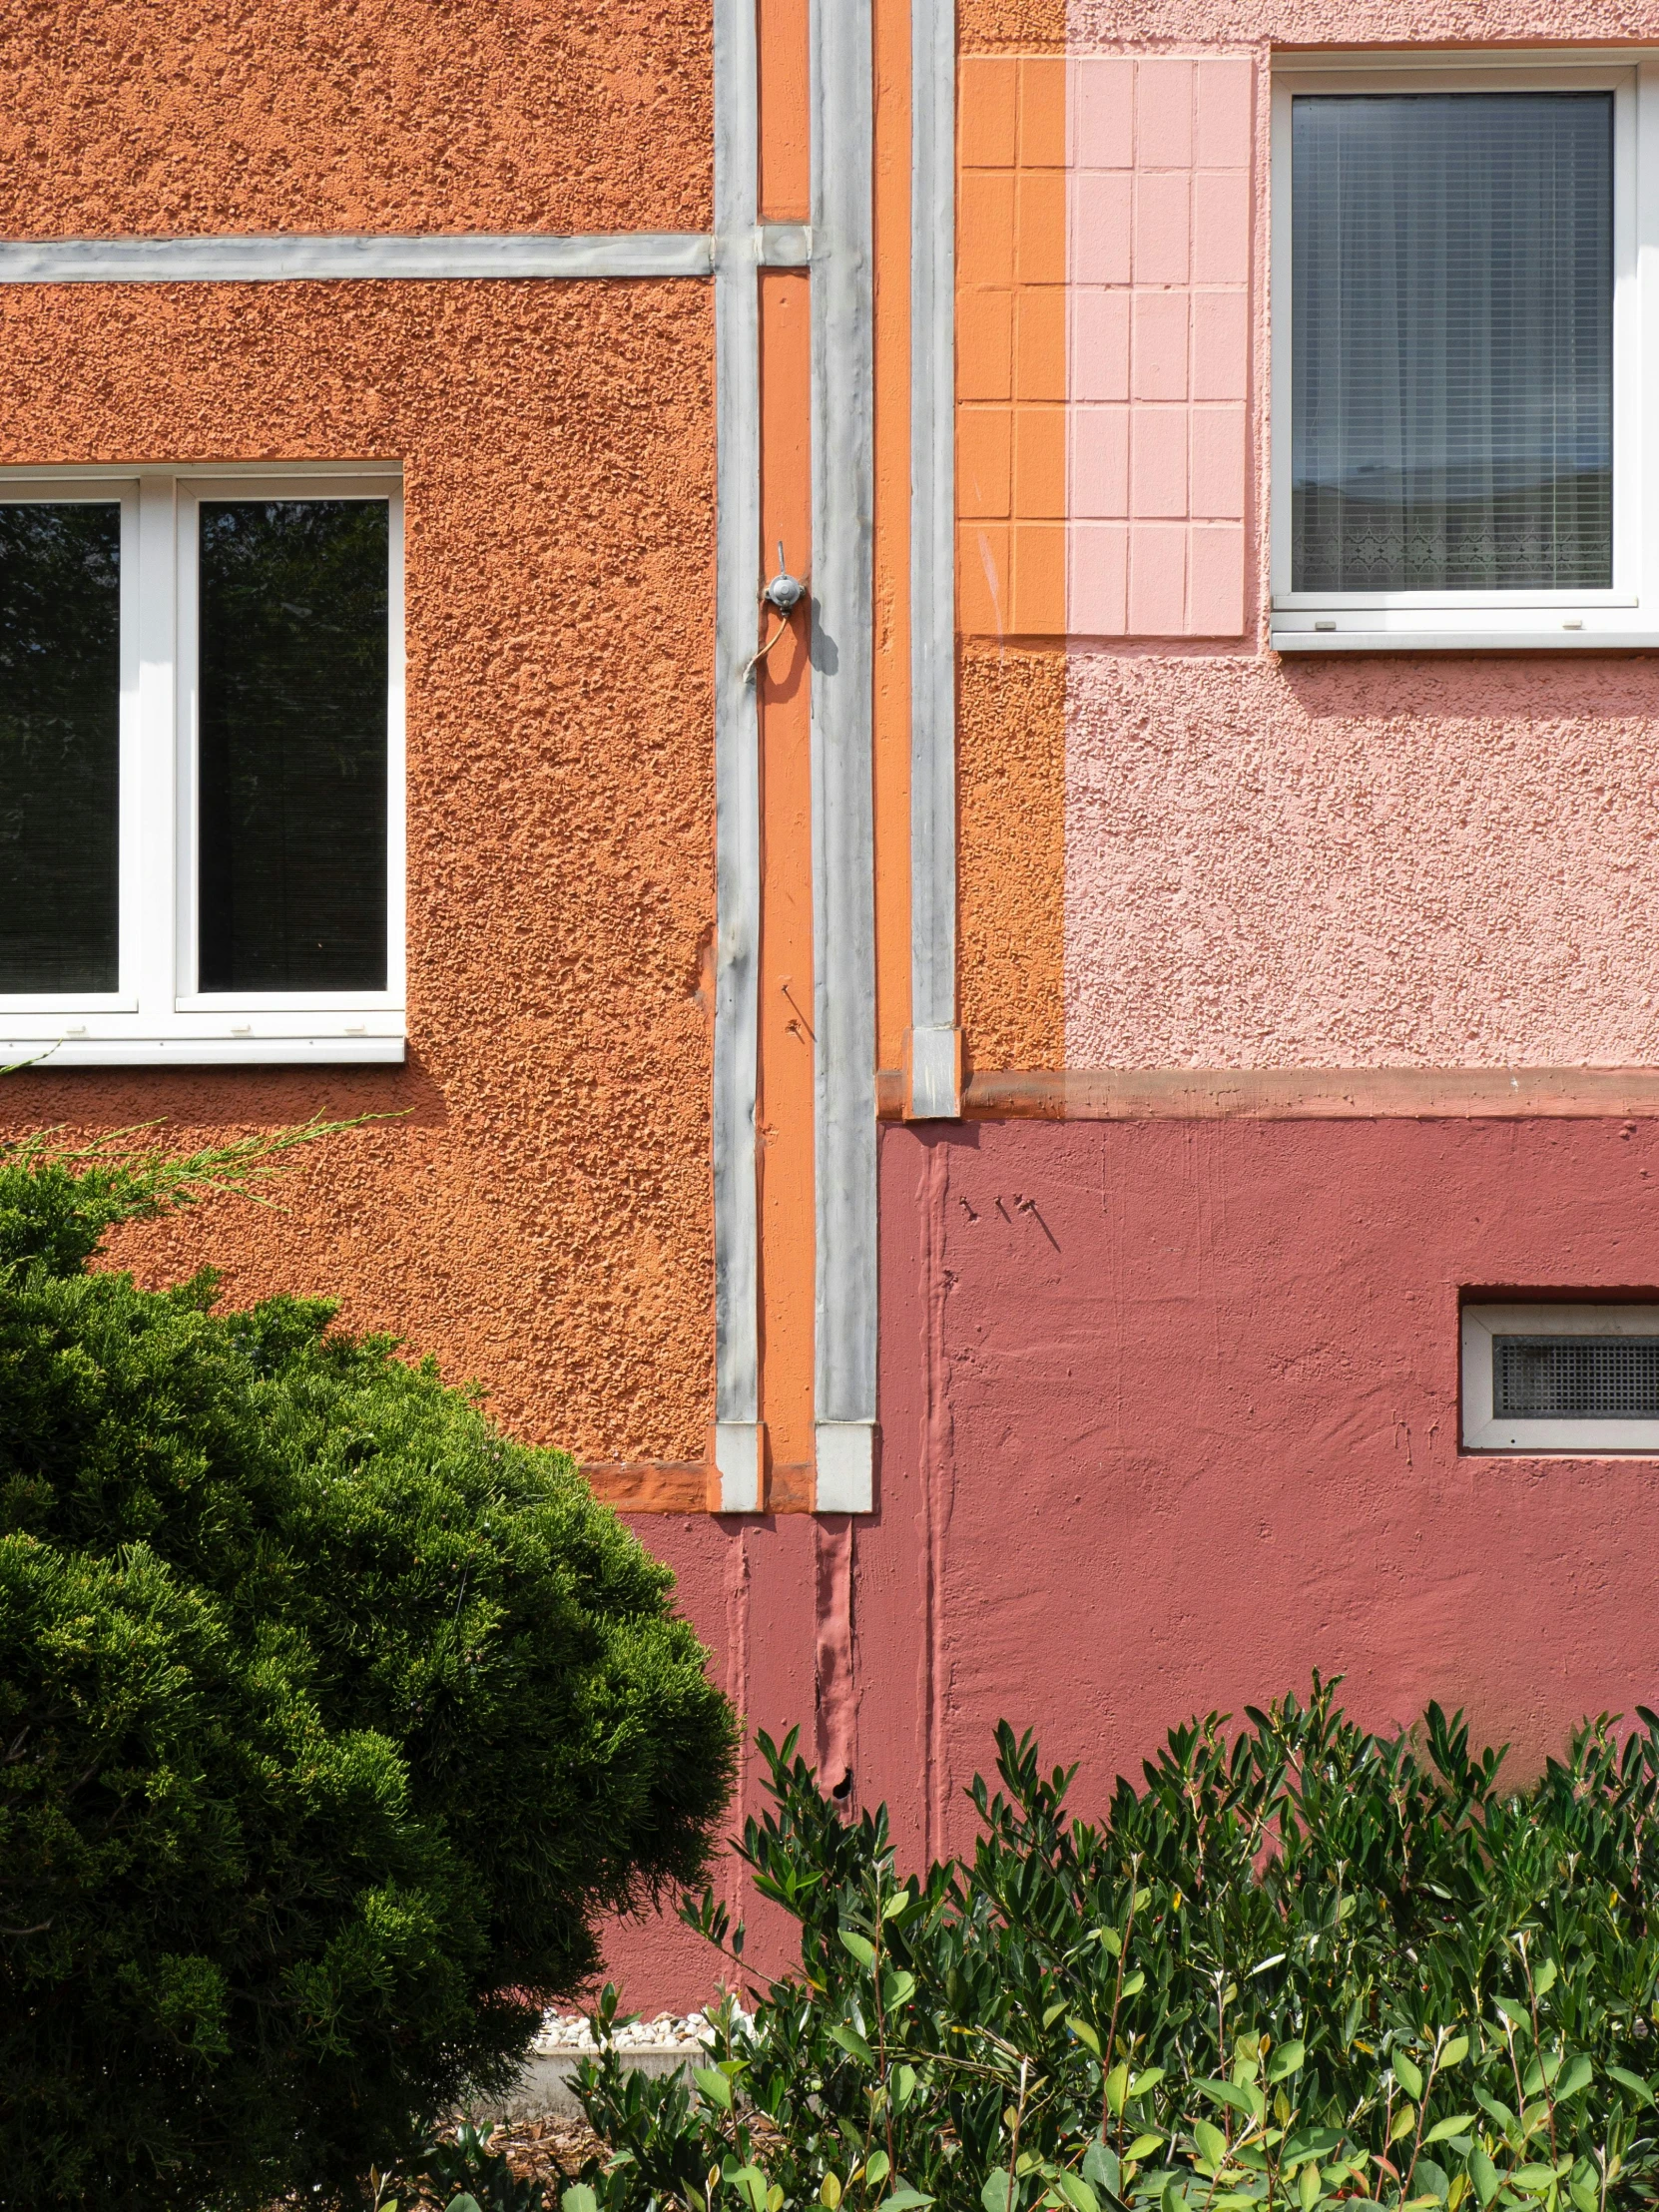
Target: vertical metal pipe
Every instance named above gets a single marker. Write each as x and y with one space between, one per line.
843 477
935 1073
737 758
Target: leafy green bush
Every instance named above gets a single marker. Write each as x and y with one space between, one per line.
329 1722
1305 1966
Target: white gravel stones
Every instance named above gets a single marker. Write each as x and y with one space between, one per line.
570 2032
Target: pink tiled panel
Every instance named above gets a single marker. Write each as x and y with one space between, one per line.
1159 205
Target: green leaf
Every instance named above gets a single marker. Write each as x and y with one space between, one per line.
1458 2124
1545 1980
1409 2074
903 2086
830 2191
897 1990
1134 1984
1142 2082
1287 2060
1575 2076
1102 2169
895 1909
993 2191
1077 2192
1455 2052
1403 2121
905 2200
714 2085
1117 2088
1535 2180
1212 2143
1085 2036
1484 2176
466 2203
858 1947
1633 2082
1307 2187
876 2168
579 2198
1226 2092
751 2185
1144 2145
1490 2106
1433 2180
851 2042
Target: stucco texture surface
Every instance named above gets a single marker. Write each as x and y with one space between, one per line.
1385 861
383 115
1107 25
1169 1419
997 26
539 1215
1012 855
1182 1400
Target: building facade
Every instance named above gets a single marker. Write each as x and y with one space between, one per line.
1068 1120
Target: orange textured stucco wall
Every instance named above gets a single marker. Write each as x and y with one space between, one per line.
1012 764
1033 26
541 1216
390 114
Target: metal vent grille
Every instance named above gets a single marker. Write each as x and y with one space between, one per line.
1576 1378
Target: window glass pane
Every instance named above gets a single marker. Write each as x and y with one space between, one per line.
292 744
60 747
1453 342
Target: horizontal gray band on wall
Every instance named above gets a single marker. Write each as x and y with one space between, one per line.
1293 1094
299 256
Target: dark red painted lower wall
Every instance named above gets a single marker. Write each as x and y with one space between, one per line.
1168 1417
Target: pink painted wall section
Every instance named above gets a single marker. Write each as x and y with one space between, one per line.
1159 177
1170 1419
1367 863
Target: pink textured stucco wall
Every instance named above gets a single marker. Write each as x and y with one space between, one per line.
1434 862
1375 862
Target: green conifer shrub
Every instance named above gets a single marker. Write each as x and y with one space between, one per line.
331 1721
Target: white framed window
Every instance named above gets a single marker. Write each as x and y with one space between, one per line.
1582 1380
1463 450
202 838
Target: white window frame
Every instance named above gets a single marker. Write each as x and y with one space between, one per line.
1530 1440
157 1016
1627 613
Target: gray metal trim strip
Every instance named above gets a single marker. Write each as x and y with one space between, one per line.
140 261
932 556
737 724
844 904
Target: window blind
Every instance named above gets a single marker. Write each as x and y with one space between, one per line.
1453 342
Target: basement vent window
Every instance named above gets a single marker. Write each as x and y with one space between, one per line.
1561 1379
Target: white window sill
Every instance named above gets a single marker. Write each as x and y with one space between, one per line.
107 1051
1301 637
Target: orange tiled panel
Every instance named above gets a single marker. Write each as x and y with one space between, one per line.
1103 337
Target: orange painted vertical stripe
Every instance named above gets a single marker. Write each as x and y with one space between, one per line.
786 143
785 1101
891 703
